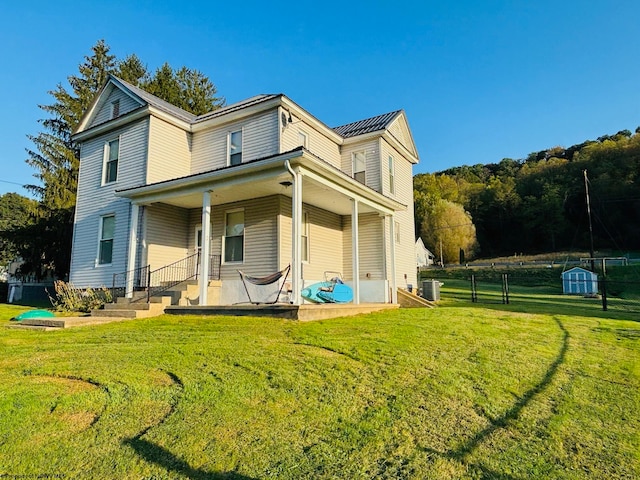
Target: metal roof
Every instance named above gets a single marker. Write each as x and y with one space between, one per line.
368 125
236 106
158 102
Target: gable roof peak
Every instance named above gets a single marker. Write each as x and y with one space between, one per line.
368 125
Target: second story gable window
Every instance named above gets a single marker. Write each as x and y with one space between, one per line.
115 109
392 176
303 139
111 155
235 148
359 166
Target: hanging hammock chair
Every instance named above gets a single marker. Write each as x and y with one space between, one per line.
264 281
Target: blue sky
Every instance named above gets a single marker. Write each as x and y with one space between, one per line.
480 81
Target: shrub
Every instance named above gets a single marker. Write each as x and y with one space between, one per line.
71 299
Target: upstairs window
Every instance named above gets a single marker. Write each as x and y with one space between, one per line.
115 109
235 148
111 154
392 176
234 236
359 166
303 139
105 247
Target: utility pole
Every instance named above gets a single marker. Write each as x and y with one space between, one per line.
586 189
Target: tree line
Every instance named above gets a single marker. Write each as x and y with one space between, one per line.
536 204
40 231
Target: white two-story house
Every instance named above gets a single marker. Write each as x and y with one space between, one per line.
254 186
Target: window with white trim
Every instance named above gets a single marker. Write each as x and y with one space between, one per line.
304 237
105 244
233 238
303 139
359 166
396 226
115 108
111 154
392 176
235 148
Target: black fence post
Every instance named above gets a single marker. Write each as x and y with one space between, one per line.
474 294
113 289
604 293
505 288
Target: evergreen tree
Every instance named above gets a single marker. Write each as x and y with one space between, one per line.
55 157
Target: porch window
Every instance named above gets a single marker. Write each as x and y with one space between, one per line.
397 231
234 236
392 175
105 248
304 237
235 148
359 166
111 154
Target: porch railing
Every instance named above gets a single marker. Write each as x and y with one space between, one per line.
154 282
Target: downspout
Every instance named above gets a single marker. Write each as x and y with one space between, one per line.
295 236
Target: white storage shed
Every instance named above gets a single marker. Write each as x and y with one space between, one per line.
578 281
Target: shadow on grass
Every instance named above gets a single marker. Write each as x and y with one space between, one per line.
162 457
467 448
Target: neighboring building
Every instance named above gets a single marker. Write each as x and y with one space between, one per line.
256 186
579 281
424 258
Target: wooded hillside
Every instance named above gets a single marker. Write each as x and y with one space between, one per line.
537 204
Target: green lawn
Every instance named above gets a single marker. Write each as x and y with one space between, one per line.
462 391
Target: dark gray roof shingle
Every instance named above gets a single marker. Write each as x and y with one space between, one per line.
367 125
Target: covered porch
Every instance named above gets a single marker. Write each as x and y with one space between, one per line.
296 209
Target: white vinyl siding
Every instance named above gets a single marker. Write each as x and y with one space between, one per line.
166 231
405 250
391 171
104 109
303 139
325 241
260 236
372 161
94 200
260 139
399 129
370 246
169 151
317 143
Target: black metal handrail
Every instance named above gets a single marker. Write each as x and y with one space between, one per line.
154 282
139 277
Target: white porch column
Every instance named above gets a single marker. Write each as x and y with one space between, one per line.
133 244
206 247
296 241
355 251
392 245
